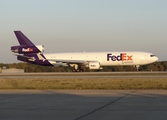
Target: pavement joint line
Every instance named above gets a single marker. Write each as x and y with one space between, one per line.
105 105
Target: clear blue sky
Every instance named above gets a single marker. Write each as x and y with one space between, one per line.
85 25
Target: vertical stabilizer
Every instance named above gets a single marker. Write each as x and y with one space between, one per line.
23 40
28 52
26 46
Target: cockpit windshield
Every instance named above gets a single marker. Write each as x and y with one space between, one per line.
152 55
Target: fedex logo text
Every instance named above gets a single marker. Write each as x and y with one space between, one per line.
121 57
27 50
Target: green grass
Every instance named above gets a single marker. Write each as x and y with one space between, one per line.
83 83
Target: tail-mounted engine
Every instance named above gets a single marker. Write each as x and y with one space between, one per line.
27 49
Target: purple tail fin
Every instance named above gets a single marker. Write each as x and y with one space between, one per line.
23 40
26 46
28 52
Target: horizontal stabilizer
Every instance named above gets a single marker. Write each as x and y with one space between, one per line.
25 57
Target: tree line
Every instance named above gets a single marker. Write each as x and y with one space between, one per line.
157 66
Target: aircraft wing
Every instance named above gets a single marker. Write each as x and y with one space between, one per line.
71 61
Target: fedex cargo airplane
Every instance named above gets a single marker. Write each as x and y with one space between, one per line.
28 52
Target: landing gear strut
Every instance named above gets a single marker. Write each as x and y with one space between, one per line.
137 67
77 68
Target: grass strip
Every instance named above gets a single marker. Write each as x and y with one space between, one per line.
83 83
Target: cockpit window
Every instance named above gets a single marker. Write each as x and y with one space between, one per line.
152 55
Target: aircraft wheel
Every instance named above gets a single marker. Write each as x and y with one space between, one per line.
81 70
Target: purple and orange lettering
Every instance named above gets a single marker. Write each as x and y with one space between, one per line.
121 57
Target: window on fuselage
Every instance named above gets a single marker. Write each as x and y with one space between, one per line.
152 55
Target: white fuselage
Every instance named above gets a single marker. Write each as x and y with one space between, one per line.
106 58
28 52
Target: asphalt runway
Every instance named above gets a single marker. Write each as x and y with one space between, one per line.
156 74
83 104
83 73
67 77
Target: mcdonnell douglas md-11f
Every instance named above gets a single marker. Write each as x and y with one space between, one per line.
28 52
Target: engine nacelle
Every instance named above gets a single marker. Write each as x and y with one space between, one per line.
94 65
27 49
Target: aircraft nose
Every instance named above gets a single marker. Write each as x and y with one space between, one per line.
156 59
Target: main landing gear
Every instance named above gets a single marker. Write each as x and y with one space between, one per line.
78 68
